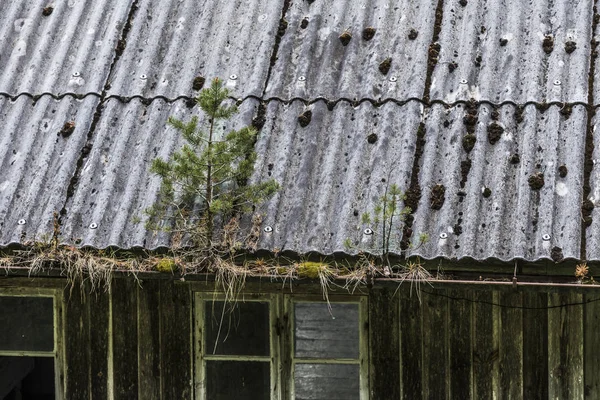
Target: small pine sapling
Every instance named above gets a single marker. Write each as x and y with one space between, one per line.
388 218
207 180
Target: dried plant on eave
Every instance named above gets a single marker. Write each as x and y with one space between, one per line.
206 182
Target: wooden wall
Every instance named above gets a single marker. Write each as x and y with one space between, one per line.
509 344
453 343
149 329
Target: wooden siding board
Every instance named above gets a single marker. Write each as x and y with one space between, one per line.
459 343
565 337
410 343
511 346
176 340
591 346
77 342
485 354
384 325
149 340
535 345
435 363
125 339
99 327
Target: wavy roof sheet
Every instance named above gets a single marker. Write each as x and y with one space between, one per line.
38 157
313 62
504 67
331 173
58 47
171 42
510 50
493 209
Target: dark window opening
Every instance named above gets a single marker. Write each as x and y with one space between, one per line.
26 324
27 378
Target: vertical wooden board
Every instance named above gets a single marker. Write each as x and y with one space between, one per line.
485 354
176 340
535 345
435 366
565 346
125 343
591 346
77 342
149 339
384 325
459 343
510 385
410 345
99 326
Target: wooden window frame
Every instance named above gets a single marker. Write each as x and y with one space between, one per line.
201 355
58 352
281 335
363 348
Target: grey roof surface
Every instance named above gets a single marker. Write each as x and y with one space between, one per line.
329 171
68 51
133 64
498 48
37 161
173 41
312 62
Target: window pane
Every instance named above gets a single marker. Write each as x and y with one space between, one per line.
243 329
237 380
327 381
321 334
26 323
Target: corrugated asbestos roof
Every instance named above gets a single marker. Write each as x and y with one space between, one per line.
334 49
58 47
461 102
172 41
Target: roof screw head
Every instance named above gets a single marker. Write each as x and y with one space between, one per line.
545 237
76 74
368 231
463 81
143 77
443 235
557 83
301 78
93 225
268 229
233 77
393 79
21 222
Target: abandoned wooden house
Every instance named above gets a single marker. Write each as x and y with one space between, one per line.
475 120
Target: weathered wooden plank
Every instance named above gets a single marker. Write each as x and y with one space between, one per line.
176 340
510 384
565 347
459 343
591 346
435 344
535 345
384 326
77 342
410 345
485 354
149 340
99 327
124 329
